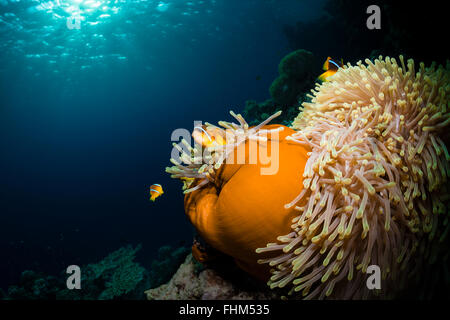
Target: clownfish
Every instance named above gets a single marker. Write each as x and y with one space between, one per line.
203 253
155 191
187 182
331 67
208 137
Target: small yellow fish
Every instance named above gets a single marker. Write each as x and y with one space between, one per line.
331 67
208 136
155 191
187 182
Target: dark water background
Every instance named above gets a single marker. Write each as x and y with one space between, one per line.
80 146
86 115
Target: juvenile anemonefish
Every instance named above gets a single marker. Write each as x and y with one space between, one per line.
208 136
202 253
331 67
187 182
155 191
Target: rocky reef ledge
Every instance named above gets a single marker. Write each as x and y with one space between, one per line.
189 283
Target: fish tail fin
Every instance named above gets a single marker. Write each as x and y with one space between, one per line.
323 76
326 74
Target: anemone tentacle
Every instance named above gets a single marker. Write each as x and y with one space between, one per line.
198 164
375 185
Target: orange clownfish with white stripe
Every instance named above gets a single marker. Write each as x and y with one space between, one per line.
209 136
155 191
330 66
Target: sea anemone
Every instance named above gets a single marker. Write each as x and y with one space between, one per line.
375 190
201 163
235 207
362 181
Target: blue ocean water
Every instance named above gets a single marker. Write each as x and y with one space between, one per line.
90 92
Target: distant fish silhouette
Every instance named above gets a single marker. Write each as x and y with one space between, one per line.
258 77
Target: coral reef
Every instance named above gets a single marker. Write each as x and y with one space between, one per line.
207 284
166 264
297 73
117 276
34 286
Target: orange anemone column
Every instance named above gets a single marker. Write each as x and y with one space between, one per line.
244 209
